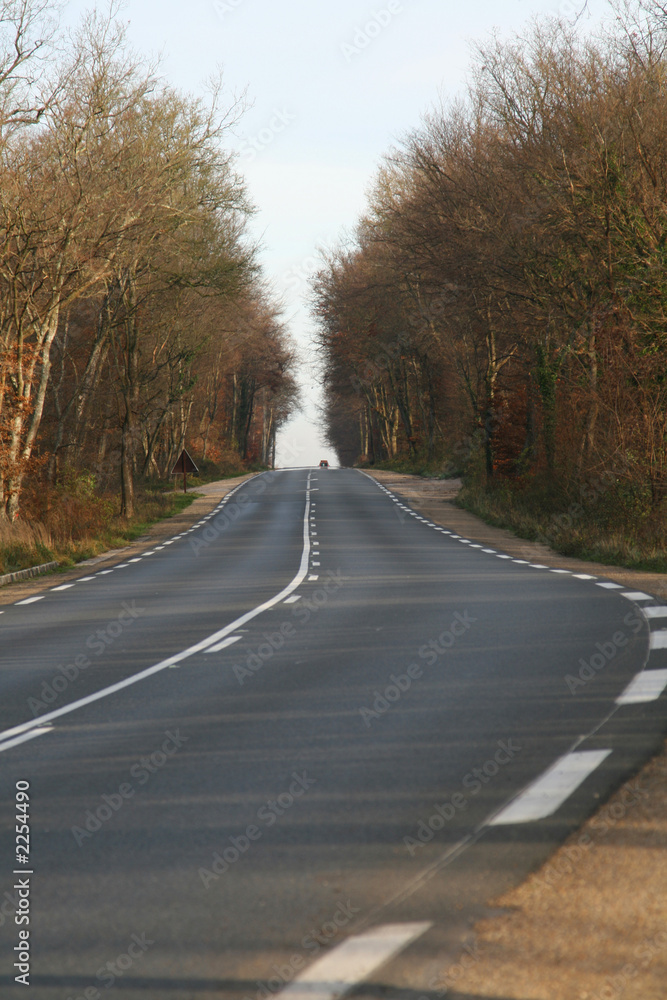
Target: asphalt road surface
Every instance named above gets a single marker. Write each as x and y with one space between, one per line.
297 749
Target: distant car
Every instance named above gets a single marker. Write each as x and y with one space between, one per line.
324 464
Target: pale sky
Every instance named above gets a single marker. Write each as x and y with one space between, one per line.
331 87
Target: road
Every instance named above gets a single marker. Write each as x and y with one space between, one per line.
308 739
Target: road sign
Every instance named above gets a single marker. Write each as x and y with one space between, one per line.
184 465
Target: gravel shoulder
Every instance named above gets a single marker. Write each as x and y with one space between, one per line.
591 924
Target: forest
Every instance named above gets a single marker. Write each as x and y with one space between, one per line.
499 309
134 316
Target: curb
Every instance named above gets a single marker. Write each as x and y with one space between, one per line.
25 574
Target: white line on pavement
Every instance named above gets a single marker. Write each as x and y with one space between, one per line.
198 647
544 796
647 686
8 744
229 641
337 973
658 639
31 600
659 612
636 595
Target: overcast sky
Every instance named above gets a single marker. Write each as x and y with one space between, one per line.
330 86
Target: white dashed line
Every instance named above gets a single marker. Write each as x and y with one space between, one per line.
537 566
610 586
8 744
491 552
647 686
121 566
63 586
31 600
85 579
658 639
313 577
549 791
138 559
561 571
337 973
501 556
636 595
229 641
660 612
104 572
583 576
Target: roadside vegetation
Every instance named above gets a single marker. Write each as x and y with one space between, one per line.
501 309
134 317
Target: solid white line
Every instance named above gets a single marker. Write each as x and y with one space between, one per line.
636 595
63 586
659 612
229 641
658 639
549 791
610 586
647 686
293 599
31 600
184 654
339 971
8 744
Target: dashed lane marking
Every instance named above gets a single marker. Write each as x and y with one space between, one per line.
545 795
647 686
348 965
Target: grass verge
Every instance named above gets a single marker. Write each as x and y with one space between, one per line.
25 544
600 524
